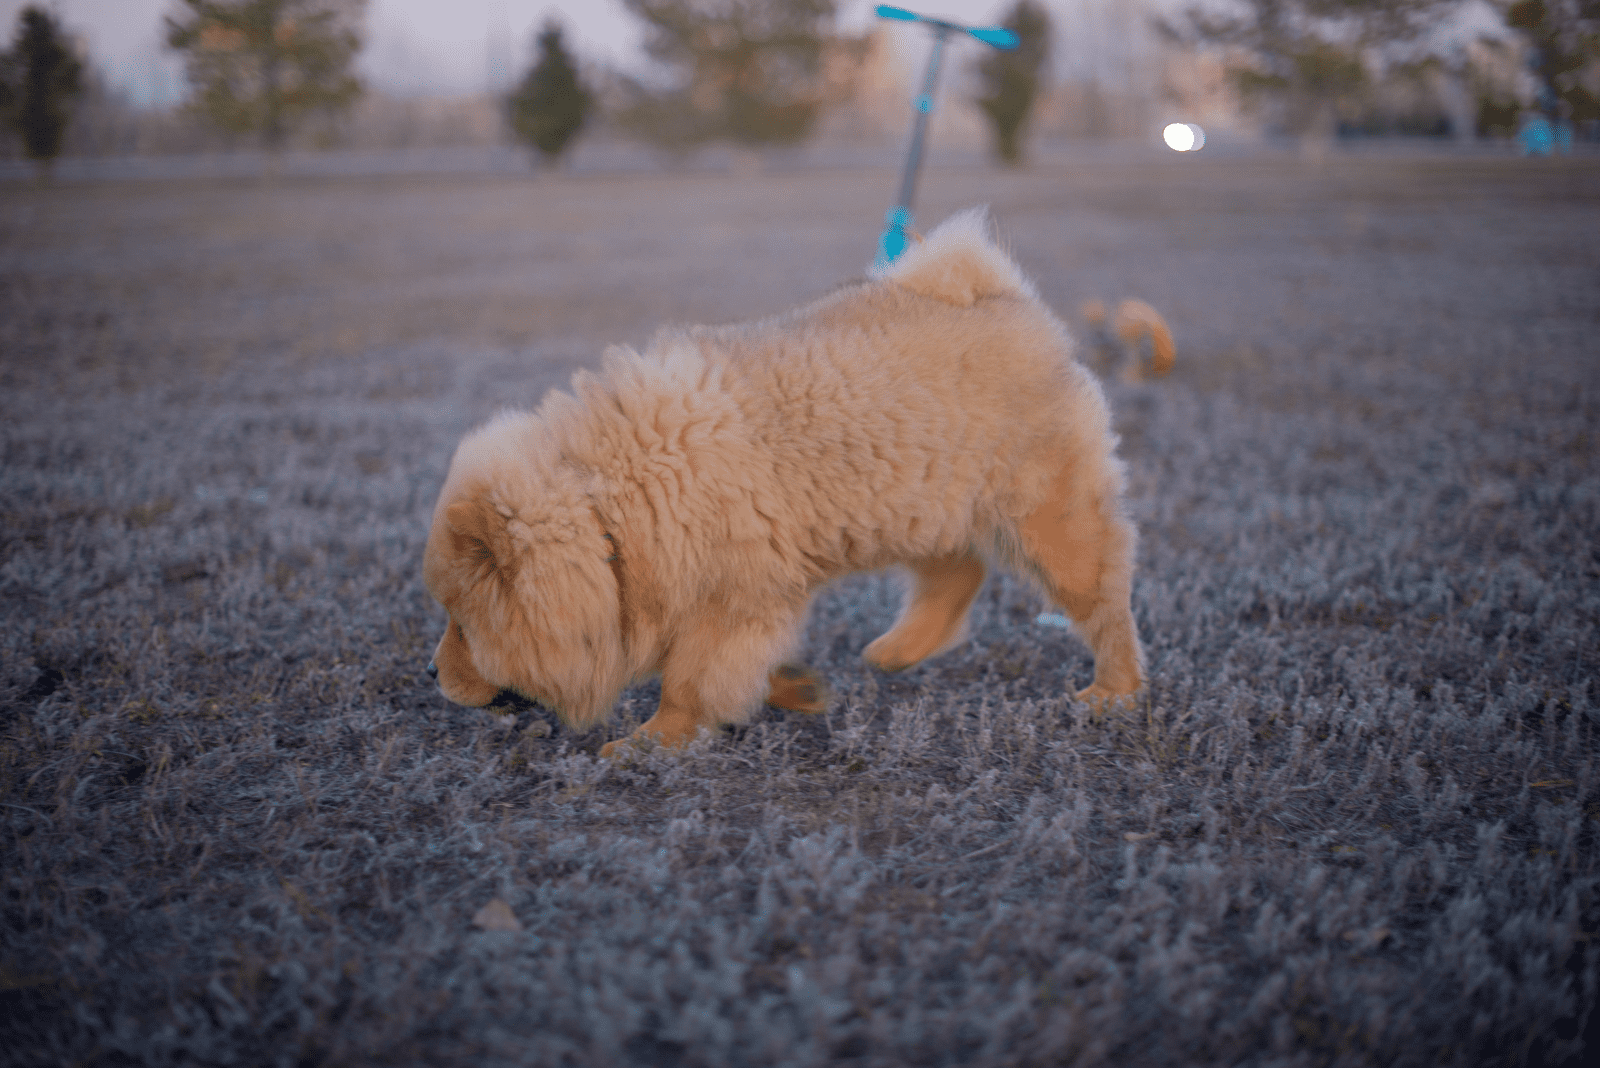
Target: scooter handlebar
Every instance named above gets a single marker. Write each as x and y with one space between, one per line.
994 36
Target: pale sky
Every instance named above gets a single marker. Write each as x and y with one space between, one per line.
413 47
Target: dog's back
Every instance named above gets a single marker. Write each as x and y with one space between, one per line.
916 408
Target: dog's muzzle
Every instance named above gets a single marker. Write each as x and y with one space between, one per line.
433 670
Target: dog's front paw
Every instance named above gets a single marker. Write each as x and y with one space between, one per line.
634 746
1104 698
797 688
656 733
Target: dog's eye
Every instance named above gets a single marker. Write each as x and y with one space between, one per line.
611 546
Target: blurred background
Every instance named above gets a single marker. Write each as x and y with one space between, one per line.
629 84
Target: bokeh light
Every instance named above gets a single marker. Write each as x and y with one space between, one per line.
1183 137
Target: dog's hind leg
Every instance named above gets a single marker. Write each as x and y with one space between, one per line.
936 609
1080 545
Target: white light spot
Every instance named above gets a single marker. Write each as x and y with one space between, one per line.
1183 137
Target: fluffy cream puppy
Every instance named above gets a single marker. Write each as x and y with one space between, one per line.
674 514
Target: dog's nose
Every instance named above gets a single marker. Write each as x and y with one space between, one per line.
433 670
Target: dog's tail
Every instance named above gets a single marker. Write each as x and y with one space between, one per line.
958 263
1136 321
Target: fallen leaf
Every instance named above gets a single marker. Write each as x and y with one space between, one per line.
496 916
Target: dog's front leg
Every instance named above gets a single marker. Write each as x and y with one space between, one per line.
716 672
797 688
678 719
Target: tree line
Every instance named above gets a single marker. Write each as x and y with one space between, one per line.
1309 65
762 72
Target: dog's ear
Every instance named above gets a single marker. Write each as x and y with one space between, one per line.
478 533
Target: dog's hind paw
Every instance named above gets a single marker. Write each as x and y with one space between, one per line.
797 688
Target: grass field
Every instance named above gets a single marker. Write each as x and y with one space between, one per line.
1353 821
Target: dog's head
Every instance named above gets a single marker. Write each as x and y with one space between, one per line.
520 561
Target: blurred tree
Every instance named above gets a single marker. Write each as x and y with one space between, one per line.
552 104
39 78
1302 60
1011 80
1491 72
260 66
753 72
1565 36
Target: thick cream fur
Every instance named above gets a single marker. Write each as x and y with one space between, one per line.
933 413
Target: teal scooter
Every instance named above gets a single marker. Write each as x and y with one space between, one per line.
893 241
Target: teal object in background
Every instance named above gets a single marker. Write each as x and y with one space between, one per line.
893 241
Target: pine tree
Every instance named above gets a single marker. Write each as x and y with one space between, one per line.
750 72
551 106
39 78
1012 79
261 66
